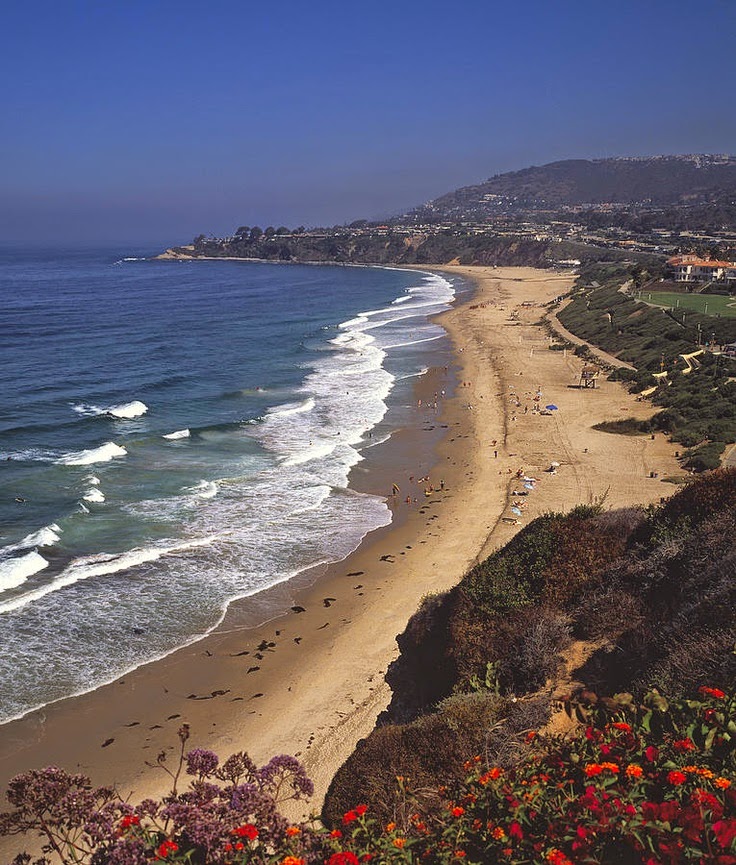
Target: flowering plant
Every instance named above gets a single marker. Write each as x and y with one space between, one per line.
650 783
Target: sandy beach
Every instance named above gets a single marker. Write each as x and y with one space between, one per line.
310 682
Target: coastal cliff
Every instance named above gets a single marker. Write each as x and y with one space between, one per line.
606 601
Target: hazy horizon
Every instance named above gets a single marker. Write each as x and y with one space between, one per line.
146 123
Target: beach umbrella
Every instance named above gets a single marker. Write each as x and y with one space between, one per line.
551 407
555 465
516 511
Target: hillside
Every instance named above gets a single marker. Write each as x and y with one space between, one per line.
619 600
660 182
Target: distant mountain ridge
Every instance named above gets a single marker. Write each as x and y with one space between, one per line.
659 181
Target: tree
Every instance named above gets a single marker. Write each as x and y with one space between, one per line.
270 231
282 229
243 231
256 233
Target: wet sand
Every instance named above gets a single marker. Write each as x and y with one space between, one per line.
310 682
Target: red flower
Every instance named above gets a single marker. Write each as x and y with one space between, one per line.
166 847
457 811
346 858
683 745
669 810
336 833
725 832
130 820
361 809
676 778
515 830
247 830
348 817
622 725
712 692
651 753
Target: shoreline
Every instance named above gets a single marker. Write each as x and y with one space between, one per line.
310 682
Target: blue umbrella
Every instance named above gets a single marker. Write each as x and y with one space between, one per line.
551 407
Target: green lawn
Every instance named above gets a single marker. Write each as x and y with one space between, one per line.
709 304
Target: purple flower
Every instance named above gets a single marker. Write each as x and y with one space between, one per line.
202 762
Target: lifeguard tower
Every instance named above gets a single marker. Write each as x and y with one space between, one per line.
589 376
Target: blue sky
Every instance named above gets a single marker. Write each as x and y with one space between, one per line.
154 120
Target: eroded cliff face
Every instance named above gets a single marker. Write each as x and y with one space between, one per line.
646 598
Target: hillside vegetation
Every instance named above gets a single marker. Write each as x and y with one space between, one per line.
649 593
698 408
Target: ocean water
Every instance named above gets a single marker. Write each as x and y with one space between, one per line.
174 436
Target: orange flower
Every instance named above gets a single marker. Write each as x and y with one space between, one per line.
457 811
498 833
399 842
293 830
612 767
593 769
557 857
459 854
292 860
722 783
634 771
390 827
622 725
491 775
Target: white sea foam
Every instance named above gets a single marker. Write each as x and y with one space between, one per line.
14 572
204 490
87 410
94 495
92 479
45 537
178 434
123 411
84 568
127 410
102 454
292 408
311 452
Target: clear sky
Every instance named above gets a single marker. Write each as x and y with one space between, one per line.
145 120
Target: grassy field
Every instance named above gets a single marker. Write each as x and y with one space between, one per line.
708 304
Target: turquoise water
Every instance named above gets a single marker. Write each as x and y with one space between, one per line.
174 436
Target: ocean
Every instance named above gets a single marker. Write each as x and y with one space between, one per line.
178 435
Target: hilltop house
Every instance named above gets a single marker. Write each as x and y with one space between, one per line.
691 268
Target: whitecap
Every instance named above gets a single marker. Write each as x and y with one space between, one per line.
102 454
45 537
92 479
291 408
178 434
14 572
87 410
94 495
128 410
123 411
313 452
204 489
89 566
